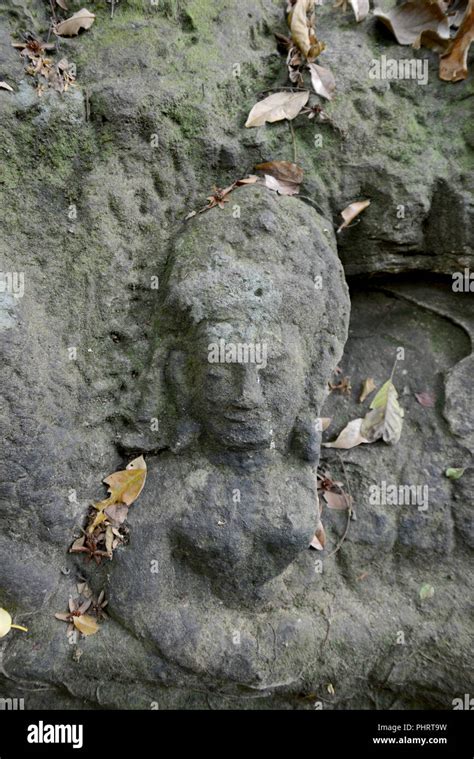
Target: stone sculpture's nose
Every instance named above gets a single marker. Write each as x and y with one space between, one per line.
248 389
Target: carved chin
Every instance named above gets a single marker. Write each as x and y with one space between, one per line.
240 436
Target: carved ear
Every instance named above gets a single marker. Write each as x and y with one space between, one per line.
306 438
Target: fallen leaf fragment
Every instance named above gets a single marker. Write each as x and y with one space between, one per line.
70 27
408 20
5 86
319 540
352 210
280 105
454 473
337 501
425 399
349 437
360 8
301 22
367 388
322 80
426 591
323 422
385 418
453 64
6 624
62 5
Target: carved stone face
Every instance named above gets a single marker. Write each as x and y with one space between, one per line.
248 384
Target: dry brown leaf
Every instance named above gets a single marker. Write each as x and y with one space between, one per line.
298 23
352 210
283 170
280 105
409 20
301 23
431 39
85 624
70 27
62 5
453 65
322 80
5 86
349 437
283 188
124 487
367 388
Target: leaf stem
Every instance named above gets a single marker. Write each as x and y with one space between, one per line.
19 627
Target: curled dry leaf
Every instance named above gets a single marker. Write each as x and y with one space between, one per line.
283 177
70 27
280 105
301 23
322 80
349 437
352 210
5 86
409 20
385 419
367 388
453 65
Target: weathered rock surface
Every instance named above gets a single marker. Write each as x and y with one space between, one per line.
192 634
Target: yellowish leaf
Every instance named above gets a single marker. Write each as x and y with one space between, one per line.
385 418
6 624
85 624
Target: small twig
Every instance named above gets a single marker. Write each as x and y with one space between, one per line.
293 140
278 89
349 510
